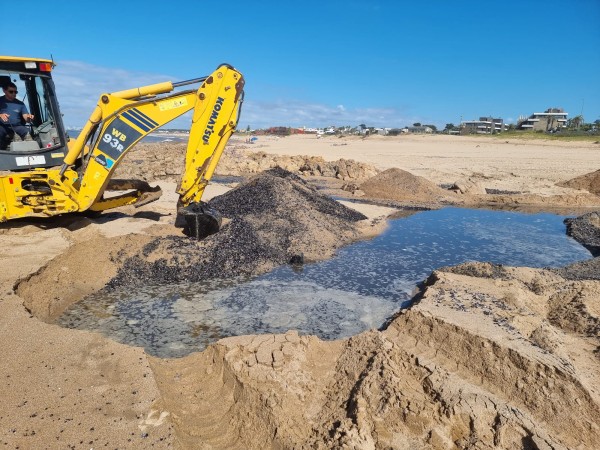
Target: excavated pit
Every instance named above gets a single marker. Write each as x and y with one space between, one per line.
489 356
358 289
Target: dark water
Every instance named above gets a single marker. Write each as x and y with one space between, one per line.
357 290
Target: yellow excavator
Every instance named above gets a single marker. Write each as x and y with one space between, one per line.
44 173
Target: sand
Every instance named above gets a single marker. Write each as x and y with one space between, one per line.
508 164
487 357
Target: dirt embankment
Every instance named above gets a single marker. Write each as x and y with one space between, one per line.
402 186
152 162
485 359
586 230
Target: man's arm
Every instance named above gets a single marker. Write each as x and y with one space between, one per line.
3 116
25 114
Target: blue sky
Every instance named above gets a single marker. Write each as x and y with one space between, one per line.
315 64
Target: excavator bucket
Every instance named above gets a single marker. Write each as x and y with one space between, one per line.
199 220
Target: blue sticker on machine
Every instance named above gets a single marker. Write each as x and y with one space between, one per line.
117 138
104 161
101 159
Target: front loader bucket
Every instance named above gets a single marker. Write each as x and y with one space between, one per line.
199 220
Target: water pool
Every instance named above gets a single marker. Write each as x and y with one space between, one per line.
356 290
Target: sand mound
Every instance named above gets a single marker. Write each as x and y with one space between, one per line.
85 267
589 182
399 185
247 163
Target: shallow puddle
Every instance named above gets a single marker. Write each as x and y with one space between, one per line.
358 289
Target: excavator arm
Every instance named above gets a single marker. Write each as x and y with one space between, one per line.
124 118
119 121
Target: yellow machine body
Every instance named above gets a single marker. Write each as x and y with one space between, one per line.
119 121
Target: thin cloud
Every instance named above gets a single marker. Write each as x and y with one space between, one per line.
295 113
79 85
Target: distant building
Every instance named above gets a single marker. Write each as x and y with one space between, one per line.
420 130
362 130
550 120
309 130
485 125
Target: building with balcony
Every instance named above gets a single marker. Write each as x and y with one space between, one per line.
550 120
485 125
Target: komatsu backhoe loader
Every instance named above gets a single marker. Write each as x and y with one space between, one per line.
47 174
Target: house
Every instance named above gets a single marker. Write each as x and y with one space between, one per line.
550 120
308 130
485 125
420 130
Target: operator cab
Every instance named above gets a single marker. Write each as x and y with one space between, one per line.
45 144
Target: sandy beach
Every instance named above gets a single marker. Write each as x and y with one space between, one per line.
518 165
487 357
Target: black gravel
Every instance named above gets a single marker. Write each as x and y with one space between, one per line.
501 192
271 194
585 229
584 270
273 220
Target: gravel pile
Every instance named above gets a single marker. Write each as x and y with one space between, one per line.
274 219
585 229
